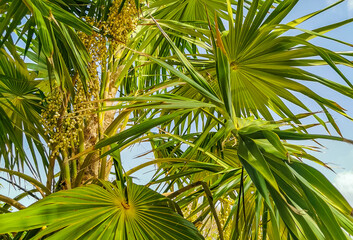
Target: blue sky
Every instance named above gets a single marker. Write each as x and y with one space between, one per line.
337 154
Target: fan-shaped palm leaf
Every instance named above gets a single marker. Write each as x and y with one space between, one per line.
102 212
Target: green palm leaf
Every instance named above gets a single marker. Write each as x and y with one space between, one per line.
102 212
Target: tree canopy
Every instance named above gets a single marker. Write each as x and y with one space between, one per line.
210 85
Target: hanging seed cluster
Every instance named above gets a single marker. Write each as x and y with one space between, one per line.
95 43
119 25
114 30
51 115
63 123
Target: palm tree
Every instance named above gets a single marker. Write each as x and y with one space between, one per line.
207 84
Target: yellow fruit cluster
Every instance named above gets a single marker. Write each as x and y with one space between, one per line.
93 84
114 30
62 124
119 25
95 43
51 115
63 120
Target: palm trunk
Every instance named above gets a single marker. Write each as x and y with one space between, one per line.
93 132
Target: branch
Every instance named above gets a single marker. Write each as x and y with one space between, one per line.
11 202
181 190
